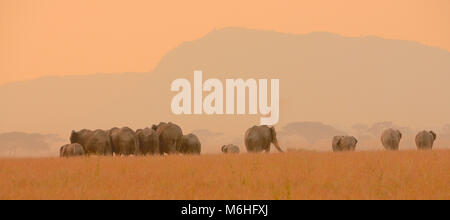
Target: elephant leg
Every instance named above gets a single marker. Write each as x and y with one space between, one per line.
105 152
156 151
267 148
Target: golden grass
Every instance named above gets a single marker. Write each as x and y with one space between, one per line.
293 175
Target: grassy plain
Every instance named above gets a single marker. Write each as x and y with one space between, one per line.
292 175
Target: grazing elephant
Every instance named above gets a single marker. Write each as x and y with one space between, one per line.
148 141
425 140
230 149
94 142
391 139
72 150
124 141
259 138
344 143
169 135
190 144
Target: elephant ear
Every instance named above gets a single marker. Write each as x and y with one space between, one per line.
223 148
154 127
434 135
61 151
73 136
337 140
400 134
356 140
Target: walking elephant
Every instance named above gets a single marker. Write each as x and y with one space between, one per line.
391 139
425 140
344 143
72 150
259 138
169 135
124 141
148 141
94 142
230 149
190 144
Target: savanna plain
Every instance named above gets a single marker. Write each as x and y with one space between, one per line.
279 176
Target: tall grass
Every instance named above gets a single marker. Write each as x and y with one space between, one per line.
293 175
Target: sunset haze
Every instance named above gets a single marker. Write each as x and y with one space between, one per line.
50 37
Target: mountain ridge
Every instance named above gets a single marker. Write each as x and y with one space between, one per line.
213 32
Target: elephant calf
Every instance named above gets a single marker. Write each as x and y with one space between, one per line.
425 140
72 150
190 144
344 143
230 149
391 139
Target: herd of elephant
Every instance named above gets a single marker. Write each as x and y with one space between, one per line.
165 138
168 138
390 139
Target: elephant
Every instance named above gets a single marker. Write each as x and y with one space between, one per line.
391 139
124 141
169 135
148 141
230 149
72 150
94 142
190 144
344 143
425 140
259 138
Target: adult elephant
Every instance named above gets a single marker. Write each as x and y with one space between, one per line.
344 143
190 144
94 142
259 138
391 139
425 140
148 141
124 141
72 150
169 135
230 149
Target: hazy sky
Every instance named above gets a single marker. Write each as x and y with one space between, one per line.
54 37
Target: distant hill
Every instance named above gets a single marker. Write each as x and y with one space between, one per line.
323 77
19 144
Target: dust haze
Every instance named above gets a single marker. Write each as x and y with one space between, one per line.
329 85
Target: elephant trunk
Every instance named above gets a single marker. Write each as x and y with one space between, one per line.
277 146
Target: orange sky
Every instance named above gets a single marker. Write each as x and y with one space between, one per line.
54 37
